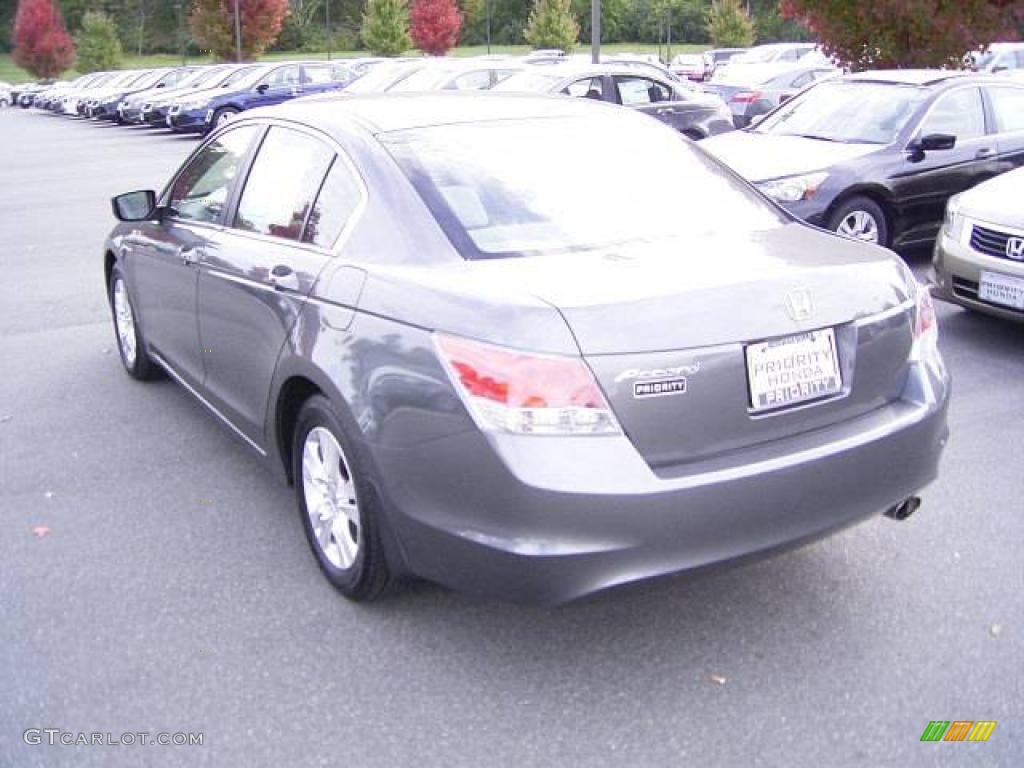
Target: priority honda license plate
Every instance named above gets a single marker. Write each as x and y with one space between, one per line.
793 369
1000 289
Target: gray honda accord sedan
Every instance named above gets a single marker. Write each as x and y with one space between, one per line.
526 346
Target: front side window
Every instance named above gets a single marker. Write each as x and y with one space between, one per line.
959 114
1008 106
479 80
202 190
587 88
282 184
555 187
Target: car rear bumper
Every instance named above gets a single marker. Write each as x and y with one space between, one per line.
546 520
957 272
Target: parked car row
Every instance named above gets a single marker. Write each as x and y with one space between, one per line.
191 99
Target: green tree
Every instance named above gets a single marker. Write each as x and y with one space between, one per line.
552 25
386 27
729 24
98 45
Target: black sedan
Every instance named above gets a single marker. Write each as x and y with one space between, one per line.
686 109
876 155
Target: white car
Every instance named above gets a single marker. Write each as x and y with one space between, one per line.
1000 58
688 65
761 61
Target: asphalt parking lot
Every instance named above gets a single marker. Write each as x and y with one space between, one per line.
153 579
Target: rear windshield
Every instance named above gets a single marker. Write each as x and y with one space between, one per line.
555 185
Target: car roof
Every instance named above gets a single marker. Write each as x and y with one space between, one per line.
387 112
583 68
909 76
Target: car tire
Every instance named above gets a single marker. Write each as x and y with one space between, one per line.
222 115
131 345
860 218
338 505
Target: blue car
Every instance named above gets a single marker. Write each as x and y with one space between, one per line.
261 87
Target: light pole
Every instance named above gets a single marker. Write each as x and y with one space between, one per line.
595 31
238 34
327 21
181 30
488 27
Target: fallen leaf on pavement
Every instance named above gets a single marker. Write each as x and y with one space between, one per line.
40 531
995 630
717 679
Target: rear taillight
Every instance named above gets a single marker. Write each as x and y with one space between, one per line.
526 393
926 327
746 97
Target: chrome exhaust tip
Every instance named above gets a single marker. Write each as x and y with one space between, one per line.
904 509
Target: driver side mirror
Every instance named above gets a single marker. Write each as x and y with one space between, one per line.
262 87
135 206
934 142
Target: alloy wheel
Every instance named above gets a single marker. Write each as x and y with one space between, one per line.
859 225
124 319
330 495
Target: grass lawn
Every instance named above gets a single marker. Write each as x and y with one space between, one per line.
13 74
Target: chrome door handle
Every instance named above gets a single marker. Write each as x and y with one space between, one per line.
984 152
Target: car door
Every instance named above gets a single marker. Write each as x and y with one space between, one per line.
253 285
1006 104
164 255
279 85
927 180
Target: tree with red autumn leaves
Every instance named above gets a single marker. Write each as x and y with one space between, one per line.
906 33
213 25
435 25
41 44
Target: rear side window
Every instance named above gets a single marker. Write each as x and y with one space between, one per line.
282 184
320 74
636 91
337 201
1008 105
202 190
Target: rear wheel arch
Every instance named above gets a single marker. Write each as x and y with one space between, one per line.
293 394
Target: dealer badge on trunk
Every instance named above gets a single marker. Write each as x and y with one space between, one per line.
658 382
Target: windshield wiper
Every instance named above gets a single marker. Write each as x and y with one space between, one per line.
818 138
